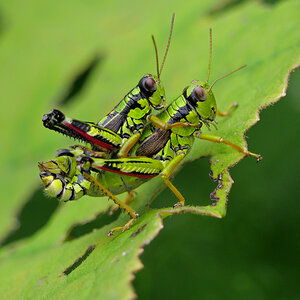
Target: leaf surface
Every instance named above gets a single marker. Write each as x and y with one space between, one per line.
44 47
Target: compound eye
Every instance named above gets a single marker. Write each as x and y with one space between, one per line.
200 93
150 84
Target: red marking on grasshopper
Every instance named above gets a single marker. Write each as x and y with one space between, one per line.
128 174
89 138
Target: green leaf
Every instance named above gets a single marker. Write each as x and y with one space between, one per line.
44 47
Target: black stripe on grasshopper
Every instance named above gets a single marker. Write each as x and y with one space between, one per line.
177 143
122 127
186 114
144 90
182 110
126 119
136 105
197 106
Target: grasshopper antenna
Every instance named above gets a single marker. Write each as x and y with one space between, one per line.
156 56
226 75
210 54
168 45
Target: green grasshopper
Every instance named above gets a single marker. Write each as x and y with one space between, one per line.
68 177
123 126
158 152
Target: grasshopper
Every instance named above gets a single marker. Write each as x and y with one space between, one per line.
123 126
157 153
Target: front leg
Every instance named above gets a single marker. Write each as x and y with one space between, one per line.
128 144
166 126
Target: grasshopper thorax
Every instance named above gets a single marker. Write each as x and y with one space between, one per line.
152 88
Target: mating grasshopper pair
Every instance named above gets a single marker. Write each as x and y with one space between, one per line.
130 145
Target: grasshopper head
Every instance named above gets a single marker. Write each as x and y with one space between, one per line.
201 98
151 86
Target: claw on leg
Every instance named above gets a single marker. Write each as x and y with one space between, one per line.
125 227
178 204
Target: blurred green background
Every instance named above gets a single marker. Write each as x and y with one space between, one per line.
253 253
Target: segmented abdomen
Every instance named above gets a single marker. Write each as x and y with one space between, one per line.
67 189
